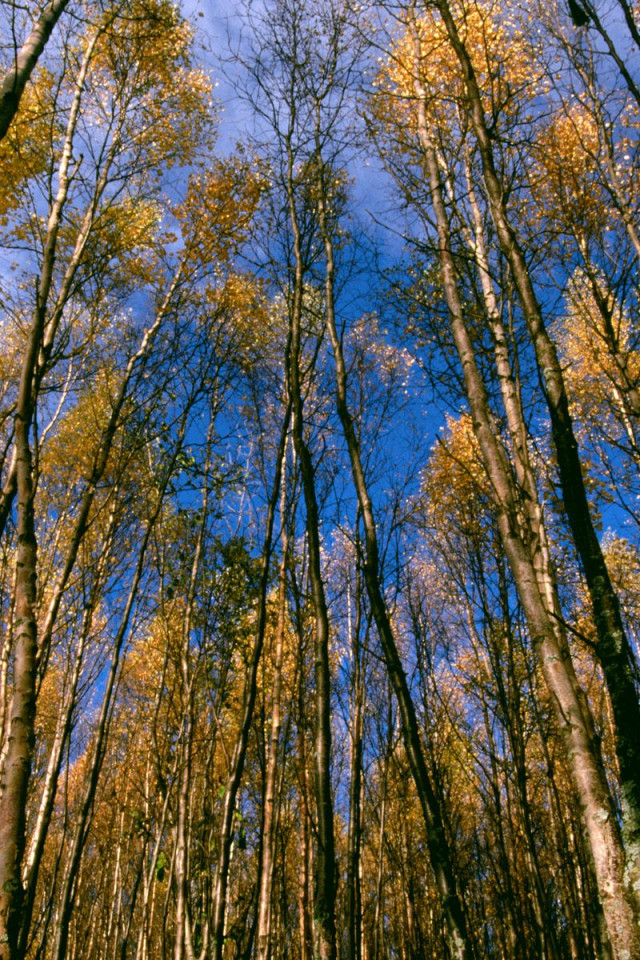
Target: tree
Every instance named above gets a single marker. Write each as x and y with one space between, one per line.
525 545
25 59
134 72
312 663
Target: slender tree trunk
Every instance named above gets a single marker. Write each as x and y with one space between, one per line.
269 838
458 940
17 762
54 766
325 879
305 850
181 846
613 648
147 907
378 916
113 923
17 765
573 717
183 942
324 910
305 879
250 690
354 898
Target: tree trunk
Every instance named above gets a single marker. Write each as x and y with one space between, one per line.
269 838
21 736
354 899
21 732
15 79
250 690
458 940
572 714
613 648
324 909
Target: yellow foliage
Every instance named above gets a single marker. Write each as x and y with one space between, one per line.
50 698
124 237
128 226
69 454
565 159
623 562
242 298
598 353
144 672
505 71
218 209
590 345
25 149
144 60
455 480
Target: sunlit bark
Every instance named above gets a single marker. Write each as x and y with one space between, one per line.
613 648
573 716
16 78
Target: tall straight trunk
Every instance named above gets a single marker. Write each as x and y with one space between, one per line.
112 927
378 916
81 827
21 730
148 868
572 712
181 865
14 777
269 838
613 648
305 850
305 858
325 889
249 698
183 943
354 837
181 854
325 867
457 935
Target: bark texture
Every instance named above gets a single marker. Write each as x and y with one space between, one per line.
15 79
613 648
572 712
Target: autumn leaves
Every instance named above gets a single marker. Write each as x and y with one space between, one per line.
215 572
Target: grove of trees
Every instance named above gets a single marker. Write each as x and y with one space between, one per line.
320 480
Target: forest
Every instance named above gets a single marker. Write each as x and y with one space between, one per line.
319 480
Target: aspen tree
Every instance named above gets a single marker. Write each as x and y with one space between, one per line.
524 547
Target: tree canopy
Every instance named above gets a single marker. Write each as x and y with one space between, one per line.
319 451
